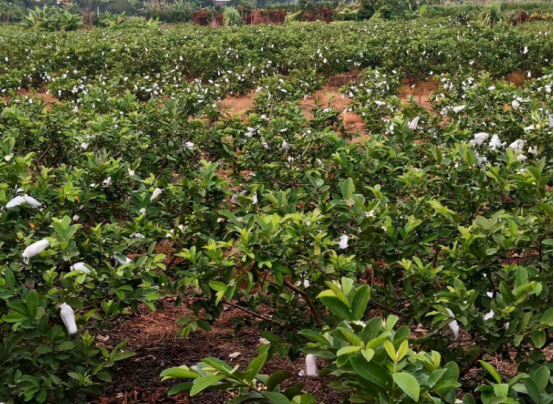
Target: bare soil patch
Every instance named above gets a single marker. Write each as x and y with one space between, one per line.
330 96
517 78
421 92
234 105
47 99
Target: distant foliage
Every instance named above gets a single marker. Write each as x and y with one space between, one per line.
50 19
492 14
231 17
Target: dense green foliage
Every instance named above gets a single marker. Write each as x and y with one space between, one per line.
149 62
474 8
49 19
441 217
93 11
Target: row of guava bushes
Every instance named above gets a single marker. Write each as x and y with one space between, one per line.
442 220
151 62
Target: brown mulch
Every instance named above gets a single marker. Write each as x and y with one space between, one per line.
152 336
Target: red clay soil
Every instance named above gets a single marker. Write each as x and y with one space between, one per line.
421 92
330 96
47 99
152 336
326 97
238 105
354 124
517 78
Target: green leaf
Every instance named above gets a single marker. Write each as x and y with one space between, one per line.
347 188
337 307
153 296
277 378
371 329
501 390
276 398
371 371
104 376
10 278
219 365
65 346
204 382
541 377
180 388
375 342
74 375
346 284
350 337
483 222
368 353
339 294
389 347
506 292
403 333
468 399
391 322
31 301
310 334
347 350
547 317
43 349
179 373
402 350
521 277
204 325
444 386
408 384
539 338
436 375
255 366
14 317
532 390
293 391
359 302
452 371
218 286
492 371
123 355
